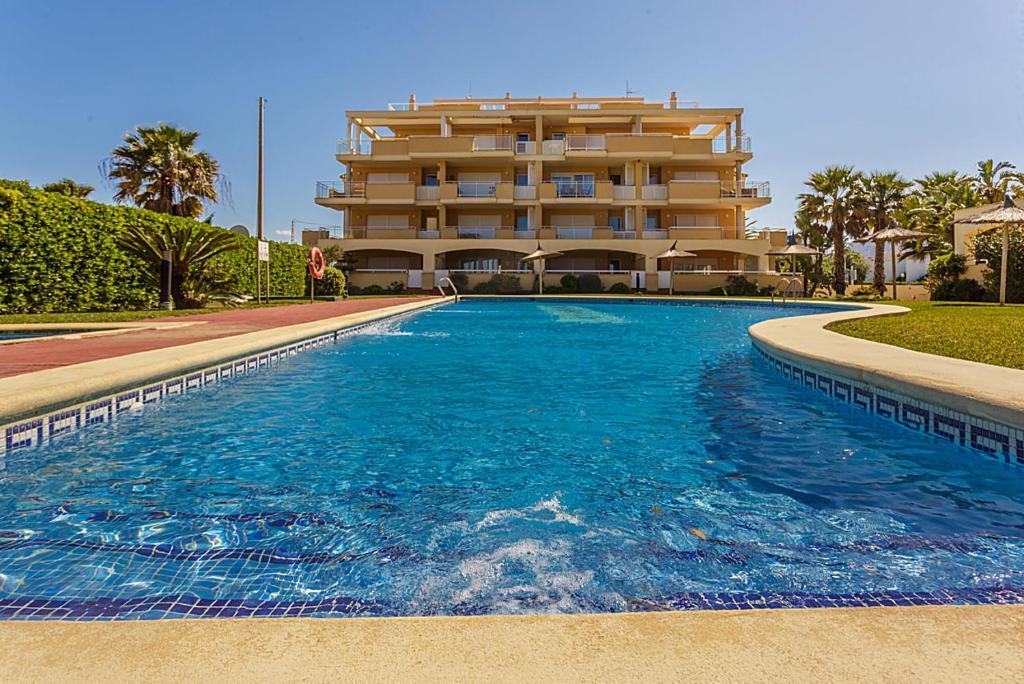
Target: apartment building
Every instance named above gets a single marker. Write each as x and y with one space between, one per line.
473 185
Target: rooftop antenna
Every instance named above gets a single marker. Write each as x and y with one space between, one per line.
629 93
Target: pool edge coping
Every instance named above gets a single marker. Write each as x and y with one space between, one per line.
969 387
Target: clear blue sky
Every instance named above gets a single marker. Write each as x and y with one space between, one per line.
915 85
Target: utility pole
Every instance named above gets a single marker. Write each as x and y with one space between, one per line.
259 183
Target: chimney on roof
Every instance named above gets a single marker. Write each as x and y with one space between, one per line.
672 100
508 95
412 101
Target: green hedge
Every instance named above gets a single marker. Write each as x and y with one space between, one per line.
60 253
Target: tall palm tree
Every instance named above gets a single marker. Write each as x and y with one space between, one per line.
67 186
994 180
159 168
884 192
836 201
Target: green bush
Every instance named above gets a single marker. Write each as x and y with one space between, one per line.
864 291
460 279
619 288
499 283
590 282
959 290
988 246
718 292
331 285
372 290
61 253
739 286
570 283
947 266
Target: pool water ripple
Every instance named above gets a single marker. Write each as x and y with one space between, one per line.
506 458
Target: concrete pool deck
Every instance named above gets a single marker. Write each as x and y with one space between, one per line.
910 644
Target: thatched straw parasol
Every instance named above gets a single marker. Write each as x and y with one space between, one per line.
794 251
895 233
1008 214
540 254
673 254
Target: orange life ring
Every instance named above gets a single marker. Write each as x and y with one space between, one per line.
316 263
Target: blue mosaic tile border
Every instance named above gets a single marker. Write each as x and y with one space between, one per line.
39 430
1002 442
184 606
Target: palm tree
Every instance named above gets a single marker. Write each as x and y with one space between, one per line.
994 180
836 201
884 192
929 208
66 186
193 280
159 169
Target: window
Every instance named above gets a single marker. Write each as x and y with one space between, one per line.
615 222
522 222
378 177
523 137
558 136
480 264
651 223
615 178
430 179
522 179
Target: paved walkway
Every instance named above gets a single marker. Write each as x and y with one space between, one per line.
26 357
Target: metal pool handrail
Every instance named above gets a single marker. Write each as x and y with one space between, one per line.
454 289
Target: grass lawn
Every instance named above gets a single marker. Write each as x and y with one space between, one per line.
976 332
120 316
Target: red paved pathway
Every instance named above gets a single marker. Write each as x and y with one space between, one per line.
26 357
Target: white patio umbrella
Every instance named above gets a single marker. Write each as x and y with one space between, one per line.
794 251
892 235
1009 214
673 254
540 254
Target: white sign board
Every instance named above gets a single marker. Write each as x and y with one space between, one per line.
263 250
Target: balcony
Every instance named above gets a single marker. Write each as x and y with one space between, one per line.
598 191
639 144
372 233
328 190
524 192
468 191
553 147
623 234
654 192
385 148
722 146
492 143
748 190
429 193
624 192
584 143
441 146
706 190
526 147
709 232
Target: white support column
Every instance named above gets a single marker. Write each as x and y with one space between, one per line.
446 129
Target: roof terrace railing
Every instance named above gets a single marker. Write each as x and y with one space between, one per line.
720 145
353 146
748 190
492 143
339 188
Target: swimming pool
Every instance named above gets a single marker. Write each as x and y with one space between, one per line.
506 457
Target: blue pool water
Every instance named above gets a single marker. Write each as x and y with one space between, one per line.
26 334
493 457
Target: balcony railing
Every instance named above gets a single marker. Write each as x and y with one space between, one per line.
555 147
654 192
584 143
624 192
353 146
574 233
722 146
477 188
526 147
623 234
574 188
492 143
654 234
524 234
477 233
525 192
428 192
339 189
748 190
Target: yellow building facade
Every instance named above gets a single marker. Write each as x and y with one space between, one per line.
472 186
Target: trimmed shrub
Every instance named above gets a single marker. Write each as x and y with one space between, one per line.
331 285
499 284
570 283
461 280
959 290
739 286
61 253
590 282
619 288
718 292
